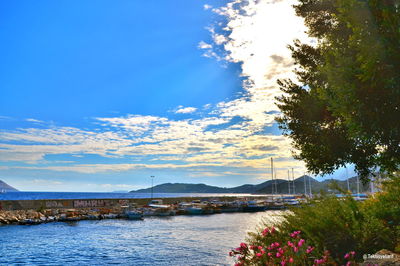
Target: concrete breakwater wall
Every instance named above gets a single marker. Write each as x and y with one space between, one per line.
10 205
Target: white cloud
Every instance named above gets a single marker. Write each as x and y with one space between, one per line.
204 45
186 110
33 120
207 6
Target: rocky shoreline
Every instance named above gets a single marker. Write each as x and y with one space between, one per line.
31 217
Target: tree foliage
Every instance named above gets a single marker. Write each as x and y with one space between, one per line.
344 106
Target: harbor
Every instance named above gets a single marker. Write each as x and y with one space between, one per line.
29 212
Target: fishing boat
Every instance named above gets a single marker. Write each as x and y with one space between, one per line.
156 208
193 210
190 208
254 206
229 207
131 212
134 215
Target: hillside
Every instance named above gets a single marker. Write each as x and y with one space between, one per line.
263 188
4 187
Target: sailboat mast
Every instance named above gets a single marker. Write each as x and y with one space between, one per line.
288 180
371 184
294 186
347 177
305 184
272 175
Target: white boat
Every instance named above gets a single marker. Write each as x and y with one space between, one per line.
132 213
156 208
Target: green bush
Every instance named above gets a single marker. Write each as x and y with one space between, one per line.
339 225
338 230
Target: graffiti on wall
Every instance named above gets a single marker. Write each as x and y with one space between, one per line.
123 202
91 203
55 204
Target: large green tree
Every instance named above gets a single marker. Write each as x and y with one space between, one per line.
344 106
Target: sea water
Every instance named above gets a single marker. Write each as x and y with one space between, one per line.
175 240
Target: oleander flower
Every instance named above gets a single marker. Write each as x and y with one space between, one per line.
309 249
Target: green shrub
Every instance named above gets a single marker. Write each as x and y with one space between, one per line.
339 231
339 225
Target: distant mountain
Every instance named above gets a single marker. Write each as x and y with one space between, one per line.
4 187
282 187
183 188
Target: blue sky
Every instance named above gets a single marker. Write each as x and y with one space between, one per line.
99 95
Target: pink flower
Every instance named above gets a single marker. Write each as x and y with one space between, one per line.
278 254
290 244
295 249
352 253
301 242
243 245
253 247
295 234
277 244
260 247
258 254
269 254
309 249
283 263
280 250
291 260
320 261
267 231
346 256
238 249
348 263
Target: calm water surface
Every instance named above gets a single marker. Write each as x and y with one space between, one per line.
177 240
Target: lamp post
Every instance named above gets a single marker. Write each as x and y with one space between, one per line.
152 177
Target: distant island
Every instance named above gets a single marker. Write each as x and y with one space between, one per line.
263 188
4 187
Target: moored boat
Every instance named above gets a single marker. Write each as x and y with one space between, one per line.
254 206
134 215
